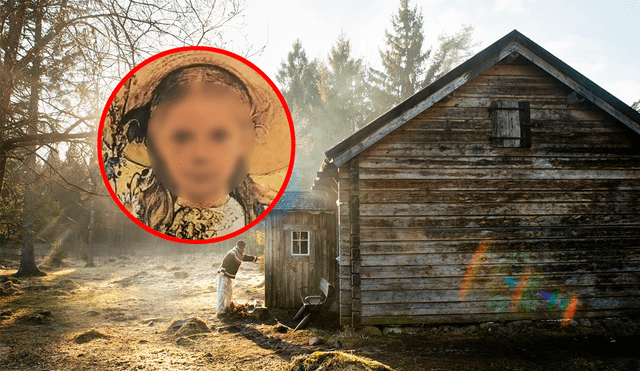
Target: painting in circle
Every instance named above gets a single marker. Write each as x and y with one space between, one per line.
196 145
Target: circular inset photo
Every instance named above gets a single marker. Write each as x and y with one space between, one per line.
197 145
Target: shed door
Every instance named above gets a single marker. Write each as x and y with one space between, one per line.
299 253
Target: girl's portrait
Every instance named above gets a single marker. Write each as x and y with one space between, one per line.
196 144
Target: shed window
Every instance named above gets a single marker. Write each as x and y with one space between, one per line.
510 124
299 242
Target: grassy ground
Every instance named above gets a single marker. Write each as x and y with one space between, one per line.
118 316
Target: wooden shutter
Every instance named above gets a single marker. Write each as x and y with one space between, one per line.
510 125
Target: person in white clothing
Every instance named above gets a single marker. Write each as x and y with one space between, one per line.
227 271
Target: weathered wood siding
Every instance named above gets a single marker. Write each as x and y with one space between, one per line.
284 273
453 230
345 272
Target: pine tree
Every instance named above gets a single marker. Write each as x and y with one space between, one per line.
298 79
403 60
453 50
344 92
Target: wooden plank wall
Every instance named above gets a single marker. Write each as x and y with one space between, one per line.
452 230
283 275
344 246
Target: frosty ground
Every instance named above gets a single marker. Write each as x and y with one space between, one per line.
118 316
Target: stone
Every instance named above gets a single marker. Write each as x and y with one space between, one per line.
392 331
573 323
261 313
93 313
371 331
584 322
315 341
337 344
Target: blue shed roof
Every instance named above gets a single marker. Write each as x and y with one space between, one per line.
304 200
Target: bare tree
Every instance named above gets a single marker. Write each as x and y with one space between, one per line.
59 61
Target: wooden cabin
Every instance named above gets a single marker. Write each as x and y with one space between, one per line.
508 189
300 246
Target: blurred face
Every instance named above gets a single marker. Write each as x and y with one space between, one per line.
202 139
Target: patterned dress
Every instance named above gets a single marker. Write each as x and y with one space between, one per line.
195 223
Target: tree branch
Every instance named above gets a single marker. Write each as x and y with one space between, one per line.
44 138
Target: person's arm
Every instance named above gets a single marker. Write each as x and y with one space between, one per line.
249 258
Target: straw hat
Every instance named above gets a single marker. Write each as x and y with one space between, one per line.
272 152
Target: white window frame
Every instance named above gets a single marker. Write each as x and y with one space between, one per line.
312 229
308 239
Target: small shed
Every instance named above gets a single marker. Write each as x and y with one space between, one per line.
508 189
300 246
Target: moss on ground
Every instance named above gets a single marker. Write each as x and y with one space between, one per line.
335 360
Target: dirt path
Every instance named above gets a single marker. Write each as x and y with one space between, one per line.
117 317
131 303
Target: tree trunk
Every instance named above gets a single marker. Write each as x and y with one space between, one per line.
10 51
90 262
28 265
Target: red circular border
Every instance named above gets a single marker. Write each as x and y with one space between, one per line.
291 130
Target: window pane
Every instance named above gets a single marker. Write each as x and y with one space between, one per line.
304 235
296 247
304 248
296 235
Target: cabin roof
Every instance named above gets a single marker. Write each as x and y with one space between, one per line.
513 42
303 201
